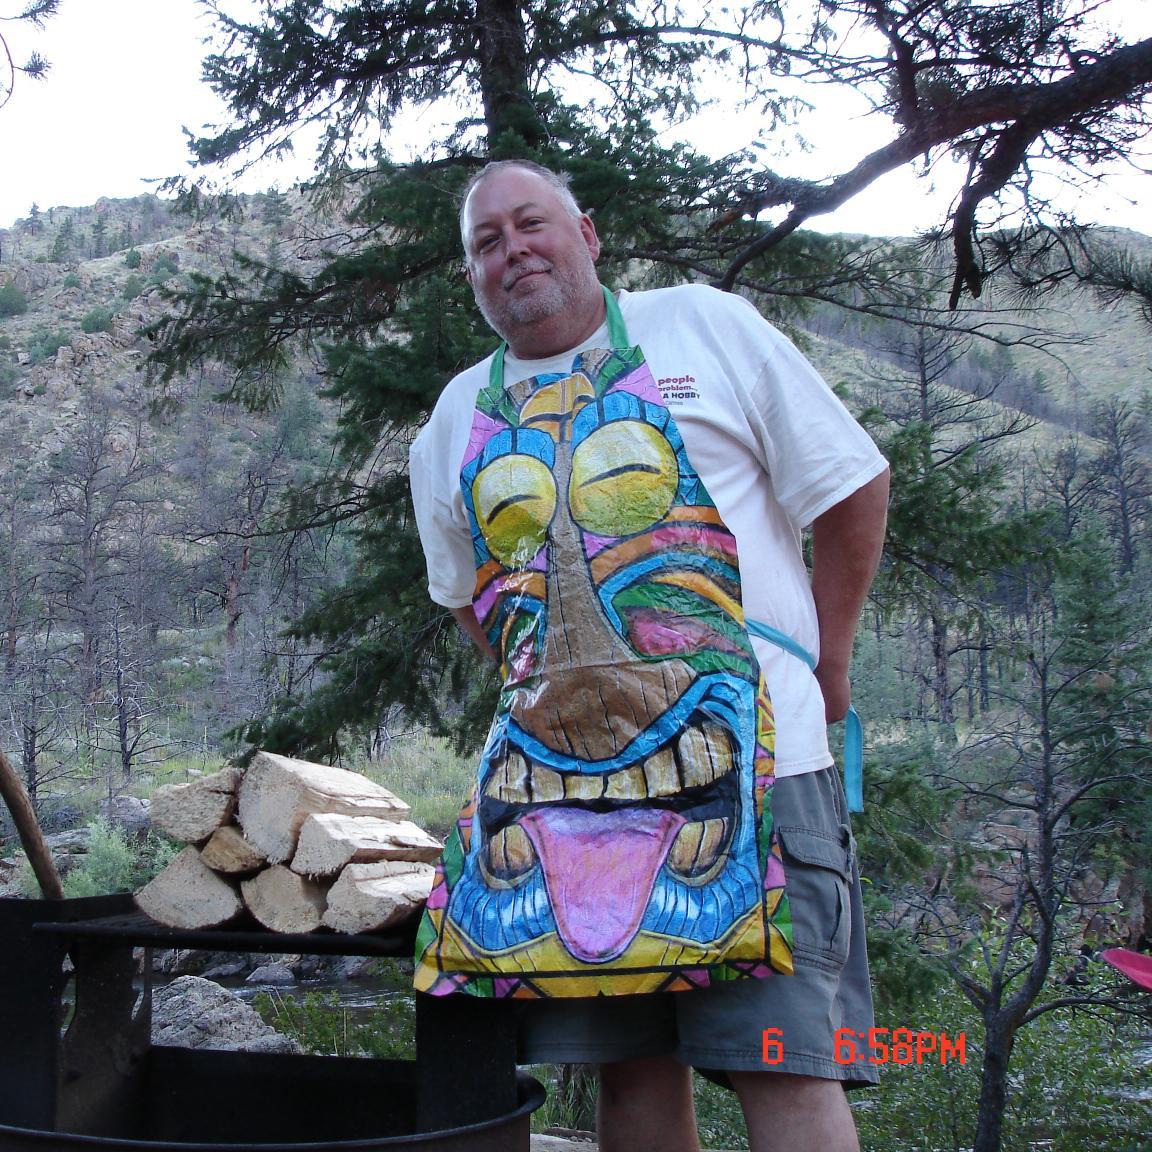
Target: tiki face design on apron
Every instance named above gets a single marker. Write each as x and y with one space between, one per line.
619 838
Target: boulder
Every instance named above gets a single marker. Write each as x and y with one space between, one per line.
272 974
195 1013
128 813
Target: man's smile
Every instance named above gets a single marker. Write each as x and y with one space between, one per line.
521 274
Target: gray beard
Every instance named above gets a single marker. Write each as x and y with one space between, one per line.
514 313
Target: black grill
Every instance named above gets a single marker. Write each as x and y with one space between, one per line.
101 1077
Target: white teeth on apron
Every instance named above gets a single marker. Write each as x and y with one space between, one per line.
579 786
627 784
699 758
697 848
510 854
704 755
545 785
660 774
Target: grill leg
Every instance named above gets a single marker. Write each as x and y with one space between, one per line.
32 982
102 1052
466 1061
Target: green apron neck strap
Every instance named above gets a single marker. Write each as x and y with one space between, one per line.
617 330
617 337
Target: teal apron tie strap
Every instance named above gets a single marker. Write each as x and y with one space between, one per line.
617 337
853 729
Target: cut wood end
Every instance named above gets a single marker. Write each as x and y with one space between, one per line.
283 901
191 812
325 778
226 780
227 851
371 897
188 894
330 840
278 793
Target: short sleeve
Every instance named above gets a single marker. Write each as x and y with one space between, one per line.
440 517
816 453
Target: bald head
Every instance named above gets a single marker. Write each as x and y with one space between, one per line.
558 181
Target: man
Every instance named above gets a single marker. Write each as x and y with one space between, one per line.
582 499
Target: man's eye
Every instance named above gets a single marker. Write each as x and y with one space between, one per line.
486 244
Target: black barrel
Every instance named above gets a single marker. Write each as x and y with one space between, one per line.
101 1084
273 1103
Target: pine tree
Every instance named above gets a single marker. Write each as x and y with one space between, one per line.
587 89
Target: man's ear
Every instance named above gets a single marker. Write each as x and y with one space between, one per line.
588 231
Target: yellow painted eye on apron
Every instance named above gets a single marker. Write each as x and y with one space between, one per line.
514 498
552 407
624 479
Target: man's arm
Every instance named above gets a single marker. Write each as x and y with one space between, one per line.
466 618
846 544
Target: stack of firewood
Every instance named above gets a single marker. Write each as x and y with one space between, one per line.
297 844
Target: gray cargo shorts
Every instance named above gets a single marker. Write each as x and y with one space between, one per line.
777 1024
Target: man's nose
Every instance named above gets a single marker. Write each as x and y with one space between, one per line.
515 245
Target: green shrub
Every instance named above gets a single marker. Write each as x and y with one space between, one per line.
45 345
70 281
167 265
98 320
133 286
132 258
13 302
115 864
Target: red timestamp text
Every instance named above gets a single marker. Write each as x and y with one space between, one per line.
879 1046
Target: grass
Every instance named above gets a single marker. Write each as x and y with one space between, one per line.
322 1025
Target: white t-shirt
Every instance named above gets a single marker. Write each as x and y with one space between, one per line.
772 443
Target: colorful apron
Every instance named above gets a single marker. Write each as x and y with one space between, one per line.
619 839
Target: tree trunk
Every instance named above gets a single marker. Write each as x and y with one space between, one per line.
30 754
508 106
998 1039
941 679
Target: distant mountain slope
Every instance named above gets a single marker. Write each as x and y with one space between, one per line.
91 279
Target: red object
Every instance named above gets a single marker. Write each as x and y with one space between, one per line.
1136 966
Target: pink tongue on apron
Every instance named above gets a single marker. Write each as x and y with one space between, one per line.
600 868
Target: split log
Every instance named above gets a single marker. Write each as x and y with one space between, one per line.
329 840
188 894
191 812
283 901
368 897
227 851
278 794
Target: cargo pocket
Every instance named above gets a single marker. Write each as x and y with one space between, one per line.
817 868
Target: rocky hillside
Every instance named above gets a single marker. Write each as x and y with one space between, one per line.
78 284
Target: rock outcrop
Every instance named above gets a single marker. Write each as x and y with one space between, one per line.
195 1013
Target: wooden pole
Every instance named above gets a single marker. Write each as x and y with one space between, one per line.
28 829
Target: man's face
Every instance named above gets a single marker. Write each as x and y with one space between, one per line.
531 263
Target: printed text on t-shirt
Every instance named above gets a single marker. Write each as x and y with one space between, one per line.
678 388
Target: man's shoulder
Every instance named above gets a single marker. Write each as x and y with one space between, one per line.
463 387
693 303
457 399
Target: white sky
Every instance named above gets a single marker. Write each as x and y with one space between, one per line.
125 80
